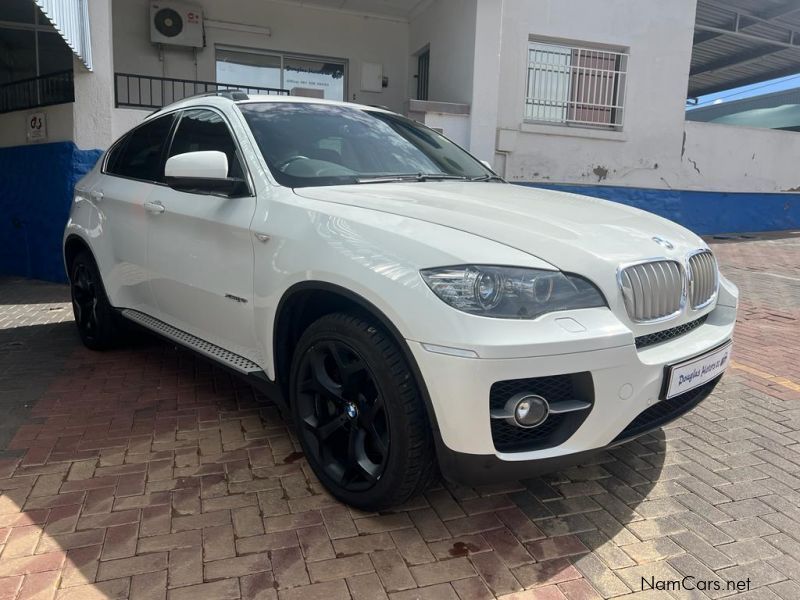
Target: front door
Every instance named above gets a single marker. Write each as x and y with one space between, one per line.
200 251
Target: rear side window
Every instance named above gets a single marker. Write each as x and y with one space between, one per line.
112 162
139 154
200 130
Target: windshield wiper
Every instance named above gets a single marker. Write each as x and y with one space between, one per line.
384 179
440 176
411 177
487 178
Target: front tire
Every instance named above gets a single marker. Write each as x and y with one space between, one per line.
98 323
359 413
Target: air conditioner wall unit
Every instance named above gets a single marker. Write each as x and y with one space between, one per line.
177 24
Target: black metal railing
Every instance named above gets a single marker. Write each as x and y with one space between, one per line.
55 88
144 91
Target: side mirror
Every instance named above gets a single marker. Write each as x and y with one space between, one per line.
202 172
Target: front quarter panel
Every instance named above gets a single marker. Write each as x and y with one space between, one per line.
373 254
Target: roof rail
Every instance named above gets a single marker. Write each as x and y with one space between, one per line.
234 95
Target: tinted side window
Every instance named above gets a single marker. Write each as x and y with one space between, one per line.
112 162
201 129
139 155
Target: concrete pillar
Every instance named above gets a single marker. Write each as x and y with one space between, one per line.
486 79
94 90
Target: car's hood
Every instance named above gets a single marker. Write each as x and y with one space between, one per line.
575 233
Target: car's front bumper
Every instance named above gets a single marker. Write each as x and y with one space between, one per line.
627 381
481 469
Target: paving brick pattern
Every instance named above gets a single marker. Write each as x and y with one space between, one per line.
147 473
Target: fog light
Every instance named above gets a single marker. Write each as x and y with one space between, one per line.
530 410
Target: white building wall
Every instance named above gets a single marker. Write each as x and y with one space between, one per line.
292 28
94 91
486 91
448 28
739 159
14 125
647 152
87 121
478 57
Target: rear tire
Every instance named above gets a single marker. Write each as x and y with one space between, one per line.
359 413
99 324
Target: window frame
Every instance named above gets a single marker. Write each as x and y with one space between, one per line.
37 25
177 115
366 109
239 153
284 56
126 137
618 75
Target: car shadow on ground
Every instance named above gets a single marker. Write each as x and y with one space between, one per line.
18 291
30 358
122 448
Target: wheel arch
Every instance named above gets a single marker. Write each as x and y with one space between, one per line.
73 244
305 302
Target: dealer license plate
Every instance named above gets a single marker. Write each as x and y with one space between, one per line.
695 372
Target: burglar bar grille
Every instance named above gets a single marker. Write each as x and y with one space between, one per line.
55 88
143 91
575 86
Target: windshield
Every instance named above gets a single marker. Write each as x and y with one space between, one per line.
306 144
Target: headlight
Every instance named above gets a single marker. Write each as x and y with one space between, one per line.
509 292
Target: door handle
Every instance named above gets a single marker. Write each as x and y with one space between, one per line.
96 195
155 208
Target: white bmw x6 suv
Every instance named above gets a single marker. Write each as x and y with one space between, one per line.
405 304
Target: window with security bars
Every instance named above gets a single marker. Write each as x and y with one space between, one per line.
578 86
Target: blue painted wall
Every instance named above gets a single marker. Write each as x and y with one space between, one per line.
36 185
702 212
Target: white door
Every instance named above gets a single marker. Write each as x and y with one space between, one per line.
200 250
133 171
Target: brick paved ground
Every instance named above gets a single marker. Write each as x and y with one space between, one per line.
146 473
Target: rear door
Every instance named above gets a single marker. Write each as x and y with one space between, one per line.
200 250
132 171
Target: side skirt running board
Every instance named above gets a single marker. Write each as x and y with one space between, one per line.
233 361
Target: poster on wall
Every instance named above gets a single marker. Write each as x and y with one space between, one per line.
36 127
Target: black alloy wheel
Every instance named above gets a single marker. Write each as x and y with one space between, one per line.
343 417
359 413
99 325
84 300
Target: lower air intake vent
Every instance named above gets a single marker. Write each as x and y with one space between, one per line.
562 392
664 336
